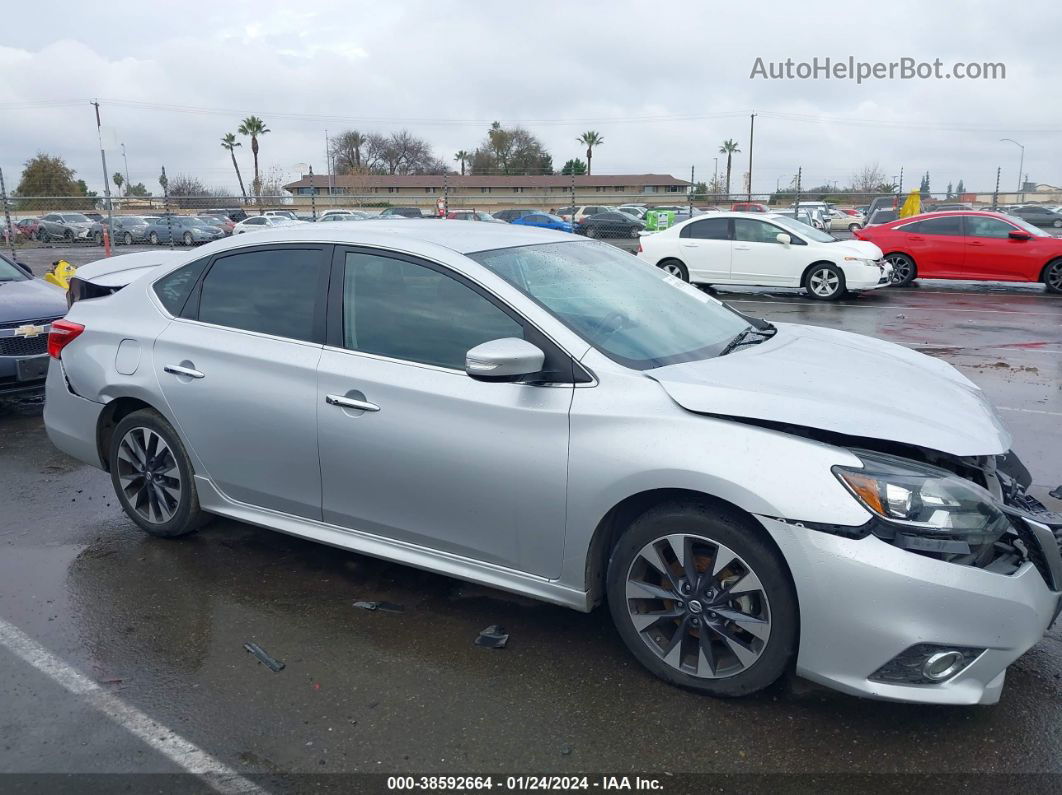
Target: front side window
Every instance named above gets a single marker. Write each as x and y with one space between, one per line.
984 226
271 291
750 231
631 312
802 229
948 225
406 311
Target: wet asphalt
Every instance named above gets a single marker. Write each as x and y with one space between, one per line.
161 624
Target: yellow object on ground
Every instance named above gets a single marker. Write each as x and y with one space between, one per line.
913 205
60 273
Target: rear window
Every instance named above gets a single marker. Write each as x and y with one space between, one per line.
174 288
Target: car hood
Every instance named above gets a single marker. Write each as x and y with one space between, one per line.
846 383
30 299
857 248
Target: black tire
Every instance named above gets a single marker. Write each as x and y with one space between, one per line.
633 234
1056 223
1052 276
591 232
854 227
672 265
187 517
128 238
153 238
730 529
68 235
904 270
187 238
824 275
43 236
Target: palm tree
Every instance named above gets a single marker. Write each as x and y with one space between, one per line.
254 127
462 157
590 139
230 143
729 148
118 180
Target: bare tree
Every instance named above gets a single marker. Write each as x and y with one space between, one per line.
868 180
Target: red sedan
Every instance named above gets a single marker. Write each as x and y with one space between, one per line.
968 245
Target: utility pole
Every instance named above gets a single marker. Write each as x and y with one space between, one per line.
106 178
7 217
995 196
796 203
328 167
752 130
693 187
126 161
313 195
1021 167
165 182
899 187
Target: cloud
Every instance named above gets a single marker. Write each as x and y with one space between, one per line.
663 84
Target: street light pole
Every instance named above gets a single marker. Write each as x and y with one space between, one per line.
1021 165
752 131
126 161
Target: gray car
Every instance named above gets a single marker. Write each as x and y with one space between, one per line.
545 414
183 230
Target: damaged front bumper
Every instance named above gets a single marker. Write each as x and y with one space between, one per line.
868 609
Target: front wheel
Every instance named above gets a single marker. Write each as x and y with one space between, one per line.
591 232
153 477
634 232
825 282
1057 223
854 228
703 600
1053 276
674 268
903 269
43 236
188 238
128 238
153 239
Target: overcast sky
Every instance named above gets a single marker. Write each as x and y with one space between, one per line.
664 83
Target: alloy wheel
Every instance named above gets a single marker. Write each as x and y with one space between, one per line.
825 283
128 238
902 269
1053 277
672 268
698 606
149 476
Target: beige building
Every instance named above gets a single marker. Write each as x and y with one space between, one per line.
488 193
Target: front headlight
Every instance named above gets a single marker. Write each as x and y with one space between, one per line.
944 512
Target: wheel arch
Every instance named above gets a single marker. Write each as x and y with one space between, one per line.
113 413
619 517
1042 278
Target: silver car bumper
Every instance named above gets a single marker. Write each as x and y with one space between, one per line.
863 602
70 420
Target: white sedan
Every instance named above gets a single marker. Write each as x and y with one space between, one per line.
765 250
258 222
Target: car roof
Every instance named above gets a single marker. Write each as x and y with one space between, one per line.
944 214
413 236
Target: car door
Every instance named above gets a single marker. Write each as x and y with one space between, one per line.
992 254
238 370
937 245
705 248
436 458
758 257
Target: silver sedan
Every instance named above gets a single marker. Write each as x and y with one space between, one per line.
548 415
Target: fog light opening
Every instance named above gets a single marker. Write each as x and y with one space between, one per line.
943 665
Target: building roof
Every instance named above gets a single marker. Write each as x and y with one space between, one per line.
458 181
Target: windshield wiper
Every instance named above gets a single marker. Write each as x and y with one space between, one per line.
743 338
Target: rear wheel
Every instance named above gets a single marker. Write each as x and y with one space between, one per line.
591 232
825 282
188 238
854 227
153 476
703 600
634 233
68 235
43 236
1056 223
675 268
1053 276
128 238
904 270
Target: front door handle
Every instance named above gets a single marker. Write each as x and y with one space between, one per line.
975 243
742 248
176 369
350 403
690 245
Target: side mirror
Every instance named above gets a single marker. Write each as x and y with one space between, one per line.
1019 235
784 239
505 359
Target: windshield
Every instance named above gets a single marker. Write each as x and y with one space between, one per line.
632 312
9 272
1032 230
810 232
75 218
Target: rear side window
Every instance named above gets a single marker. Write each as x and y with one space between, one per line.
174 288
949 225
271 291
708 229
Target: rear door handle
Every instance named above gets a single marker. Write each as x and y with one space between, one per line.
689 245
975 243
915 237
742 248
176 369
350 403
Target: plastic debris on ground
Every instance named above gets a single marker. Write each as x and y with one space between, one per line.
270 662
493 637
386 607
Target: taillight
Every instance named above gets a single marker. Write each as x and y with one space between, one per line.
640 249
62 334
